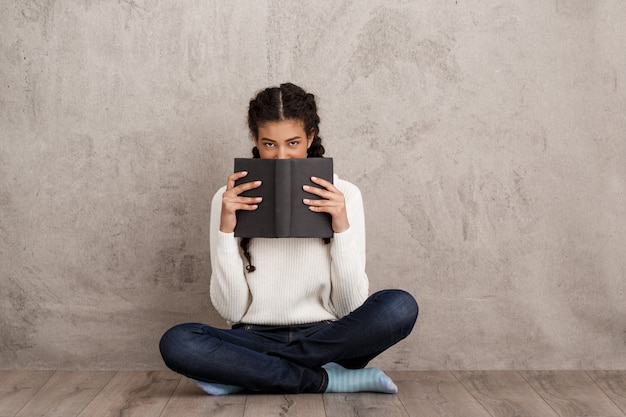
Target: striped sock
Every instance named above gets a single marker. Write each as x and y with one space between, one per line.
341 379
217 389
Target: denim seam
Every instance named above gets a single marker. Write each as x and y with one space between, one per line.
324 385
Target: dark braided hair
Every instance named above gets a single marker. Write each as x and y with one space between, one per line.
274 104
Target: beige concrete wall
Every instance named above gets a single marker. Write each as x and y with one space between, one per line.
487 138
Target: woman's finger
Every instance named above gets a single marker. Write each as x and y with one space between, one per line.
333 194
230 183
324 183
247 207
246 186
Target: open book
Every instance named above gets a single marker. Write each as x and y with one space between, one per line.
282 212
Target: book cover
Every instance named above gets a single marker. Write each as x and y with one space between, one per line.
282 212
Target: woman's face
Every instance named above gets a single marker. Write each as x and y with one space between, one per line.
284 139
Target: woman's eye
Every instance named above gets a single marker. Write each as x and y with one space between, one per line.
294 143
269 145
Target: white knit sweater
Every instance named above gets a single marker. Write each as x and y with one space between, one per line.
296 280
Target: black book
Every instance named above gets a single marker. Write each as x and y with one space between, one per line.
282 212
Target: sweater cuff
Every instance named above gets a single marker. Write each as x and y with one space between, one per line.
226 242
343 240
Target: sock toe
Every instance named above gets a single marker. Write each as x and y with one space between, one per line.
217 389
387 385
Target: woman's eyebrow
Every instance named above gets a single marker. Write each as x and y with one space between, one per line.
286 140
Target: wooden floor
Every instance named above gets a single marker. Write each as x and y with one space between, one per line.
422 394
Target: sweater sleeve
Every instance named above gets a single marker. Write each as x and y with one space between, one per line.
348 278
229 290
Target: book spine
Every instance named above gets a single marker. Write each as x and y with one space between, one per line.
283 197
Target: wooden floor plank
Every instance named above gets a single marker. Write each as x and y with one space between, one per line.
66 393
435 394
504 393
421 393
18 387
133 393
571 393
301 405
613 383
190 401
363 405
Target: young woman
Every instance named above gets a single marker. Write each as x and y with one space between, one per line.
301 318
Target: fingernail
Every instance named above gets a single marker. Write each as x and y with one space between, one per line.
313 178
306 187
306 201
258 182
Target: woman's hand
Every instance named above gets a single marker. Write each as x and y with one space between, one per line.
232 201
332 203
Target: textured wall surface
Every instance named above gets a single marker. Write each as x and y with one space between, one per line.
487 139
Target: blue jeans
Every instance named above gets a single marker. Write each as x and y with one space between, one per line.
289 359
